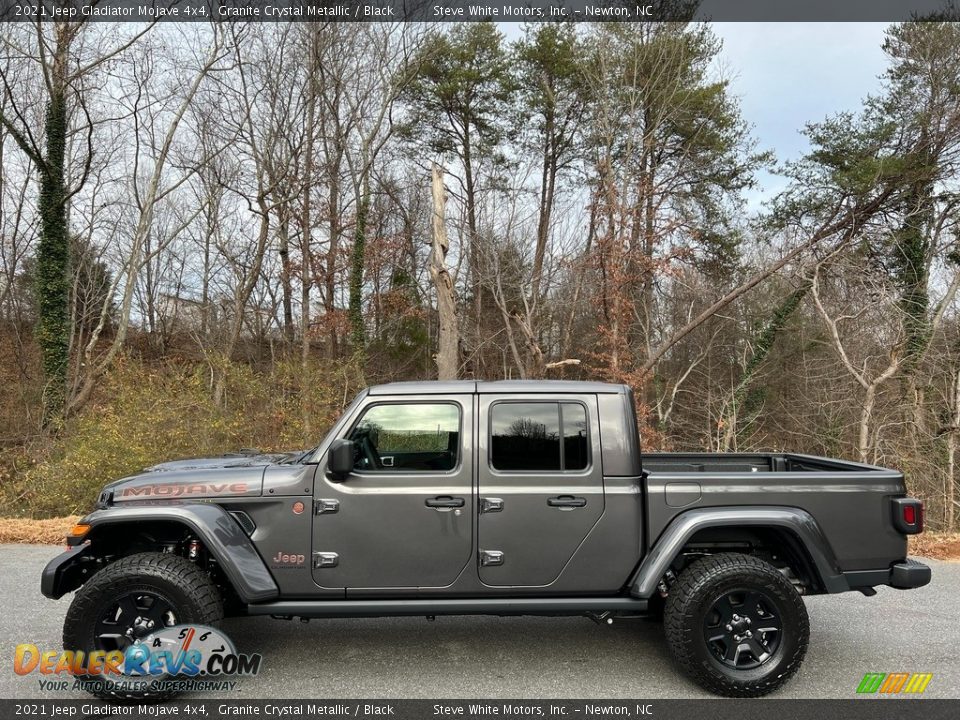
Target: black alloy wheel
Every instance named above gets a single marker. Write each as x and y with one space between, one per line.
134 616
743 628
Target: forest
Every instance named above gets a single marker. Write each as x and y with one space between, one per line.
212 236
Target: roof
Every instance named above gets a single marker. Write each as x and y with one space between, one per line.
453 387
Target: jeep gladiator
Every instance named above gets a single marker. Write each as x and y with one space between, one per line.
499 498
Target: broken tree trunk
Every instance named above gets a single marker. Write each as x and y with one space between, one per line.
449 340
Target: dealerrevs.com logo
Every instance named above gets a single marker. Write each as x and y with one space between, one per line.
176 658
899 683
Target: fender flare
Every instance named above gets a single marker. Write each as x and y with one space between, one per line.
220 533
800 523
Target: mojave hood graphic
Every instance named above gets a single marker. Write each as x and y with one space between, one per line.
228 475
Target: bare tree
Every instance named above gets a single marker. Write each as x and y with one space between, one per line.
448 346
153 193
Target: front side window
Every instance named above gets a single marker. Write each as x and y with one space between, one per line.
407 437
541 436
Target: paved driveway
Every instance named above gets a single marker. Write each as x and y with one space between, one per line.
480 657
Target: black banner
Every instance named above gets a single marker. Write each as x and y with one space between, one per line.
862 709
467 10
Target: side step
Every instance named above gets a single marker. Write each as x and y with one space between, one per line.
457 606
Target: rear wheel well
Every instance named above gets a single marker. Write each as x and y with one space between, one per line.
112 541
776 545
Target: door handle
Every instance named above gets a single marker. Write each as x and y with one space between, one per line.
445 502
566 501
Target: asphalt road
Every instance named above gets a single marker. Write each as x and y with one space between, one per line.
479 657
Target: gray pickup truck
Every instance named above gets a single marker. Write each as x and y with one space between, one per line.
498 498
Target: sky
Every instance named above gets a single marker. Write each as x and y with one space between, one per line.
788 74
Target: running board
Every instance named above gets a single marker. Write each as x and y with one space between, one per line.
457 606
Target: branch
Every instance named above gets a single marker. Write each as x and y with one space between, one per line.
848 221
561 363
834 332
31 152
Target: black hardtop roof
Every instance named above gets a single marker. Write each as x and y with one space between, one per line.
452 387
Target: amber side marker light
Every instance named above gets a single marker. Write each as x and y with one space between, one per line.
76 534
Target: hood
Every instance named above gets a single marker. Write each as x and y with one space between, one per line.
226 476
231 460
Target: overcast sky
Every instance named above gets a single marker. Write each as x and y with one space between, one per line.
788 74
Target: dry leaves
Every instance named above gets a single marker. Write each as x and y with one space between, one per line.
26 530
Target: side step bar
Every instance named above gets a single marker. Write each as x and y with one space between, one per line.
458 606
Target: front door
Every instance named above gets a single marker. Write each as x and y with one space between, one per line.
404 517
540 486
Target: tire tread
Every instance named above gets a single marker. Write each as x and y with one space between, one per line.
188 578
682 624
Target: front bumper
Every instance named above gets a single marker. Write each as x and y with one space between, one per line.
66 572
904 575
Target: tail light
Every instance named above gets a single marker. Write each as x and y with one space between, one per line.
908 515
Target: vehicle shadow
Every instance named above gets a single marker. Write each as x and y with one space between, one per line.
460 657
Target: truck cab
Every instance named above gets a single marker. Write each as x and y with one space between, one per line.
479 488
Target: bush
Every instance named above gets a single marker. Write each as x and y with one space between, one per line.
148 414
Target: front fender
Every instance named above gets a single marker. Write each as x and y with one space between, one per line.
221 535
799 522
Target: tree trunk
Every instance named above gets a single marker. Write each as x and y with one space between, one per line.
284 250
949 495
866 414
53 249
306 238
739 407
330 273
357 333
548 180
449 340
471 202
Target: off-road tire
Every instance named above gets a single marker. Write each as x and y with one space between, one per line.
693 596
187 588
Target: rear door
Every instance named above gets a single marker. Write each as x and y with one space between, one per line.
540 485
404 517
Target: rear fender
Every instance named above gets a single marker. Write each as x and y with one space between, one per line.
794 520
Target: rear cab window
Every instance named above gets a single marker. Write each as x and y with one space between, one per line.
545 436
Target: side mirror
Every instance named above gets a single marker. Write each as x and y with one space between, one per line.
340 459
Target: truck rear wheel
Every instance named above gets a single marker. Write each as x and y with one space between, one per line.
134 597
736 625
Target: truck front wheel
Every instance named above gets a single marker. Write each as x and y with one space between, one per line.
736 625
127 601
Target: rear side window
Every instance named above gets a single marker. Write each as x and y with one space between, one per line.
407 437
545 436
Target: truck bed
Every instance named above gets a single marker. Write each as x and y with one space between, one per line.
849 500
674 463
